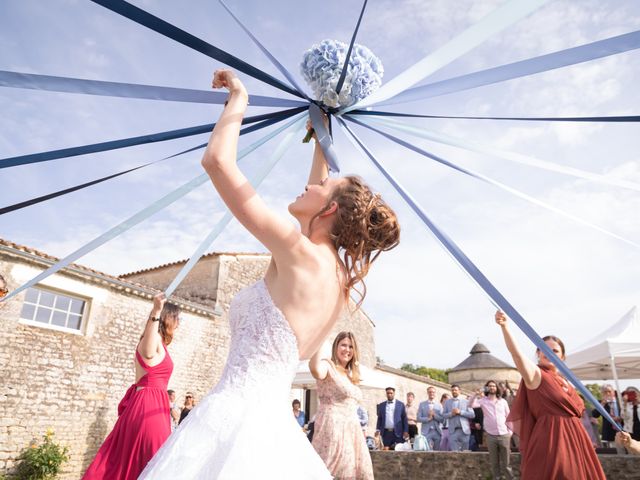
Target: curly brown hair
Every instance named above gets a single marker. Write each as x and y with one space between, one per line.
364 227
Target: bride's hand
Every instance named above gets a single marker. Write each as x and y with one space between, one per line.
225 78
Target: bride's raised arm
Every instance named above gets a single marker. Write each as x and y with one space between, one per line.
219 161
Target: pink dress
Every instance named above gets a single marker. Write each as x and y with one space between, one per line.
142 427
338 436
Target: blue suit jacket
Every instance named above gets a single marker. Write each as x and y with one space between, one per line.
423 417
400 422
462 420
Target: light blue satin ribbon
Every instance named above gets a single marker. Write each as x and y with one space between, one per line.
530 66
496 298
502 154
255 180
324 137
501 18
266 52
141 215
500 185
130 90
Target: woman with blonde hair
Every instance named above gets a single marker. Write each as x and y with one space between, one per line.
279 320
338 436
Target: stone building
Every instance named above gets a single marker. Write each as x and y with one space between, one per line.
67 349
479 367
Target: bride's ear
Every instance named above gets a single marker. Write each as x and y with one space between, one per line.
330 210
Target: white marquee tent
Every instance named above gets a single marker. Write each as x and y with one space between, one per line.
613 354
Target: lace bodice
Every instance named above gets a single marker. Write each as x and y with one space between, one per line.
263 346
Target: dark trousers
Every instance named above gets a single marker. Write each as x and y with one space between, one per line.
389 438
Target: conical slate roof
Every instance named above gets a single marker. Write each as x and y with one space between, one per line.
480 357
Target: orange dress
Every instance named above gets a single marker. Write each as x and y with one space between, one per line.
338 436
553 443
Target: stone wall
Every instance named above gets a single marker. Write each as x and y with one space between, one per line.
73 382
475 465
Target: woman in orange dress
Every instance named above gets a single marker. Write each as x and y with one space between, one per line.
546 414
338 436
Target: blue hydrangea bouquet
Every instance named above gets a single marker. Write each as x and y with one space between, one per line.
321 68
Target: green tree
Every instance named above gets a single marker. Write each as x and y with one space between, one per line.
434 373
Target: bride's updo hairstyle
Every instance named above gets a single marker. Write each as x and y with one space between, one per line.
364 226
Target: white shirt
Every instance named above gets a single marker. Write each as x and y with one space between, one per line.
390 409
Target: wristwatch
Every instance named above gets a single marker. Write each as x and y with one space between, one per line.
155 319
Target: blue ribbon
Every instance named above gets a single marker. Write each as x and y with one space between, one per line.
165 28
59 193
324 137
543 63
128 142
500 185
499 19
142 215
129 90
616 118
505 155
268 54
492 292
255 180
343 74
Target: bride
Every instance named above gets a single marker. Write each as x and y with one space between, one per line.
243 428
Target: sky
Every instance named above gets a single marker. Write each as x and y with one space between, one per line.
564 278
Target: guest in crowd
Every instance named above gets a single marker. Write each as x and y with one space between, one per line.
174 411
610 404
412 413
477 432
298 414
444 440
430 418
189 403
3 287
458 412
546 414
143 424
363 419
625 440
630 413
338 435
392 420
495 411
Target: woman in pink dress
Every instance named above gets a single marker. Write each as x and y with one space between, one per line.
143 422
338 437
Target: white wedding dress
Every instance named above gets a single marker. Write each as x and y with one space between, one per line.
244 429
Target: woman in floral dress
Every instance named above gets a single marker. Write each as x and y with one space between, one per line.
338 437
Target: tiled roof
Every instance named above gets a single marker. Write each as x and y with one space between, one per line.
481 358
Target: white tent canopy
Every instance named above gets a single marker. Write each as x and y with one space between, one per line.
613 354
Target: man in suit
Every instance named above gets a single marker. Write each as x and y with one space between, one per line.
430 416
392 420
458 412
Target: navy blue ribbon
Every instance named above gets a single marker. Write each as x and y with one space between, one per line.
543 63
129 142
165 28
618 118
59 193
495 296
130 90
343 74
268 54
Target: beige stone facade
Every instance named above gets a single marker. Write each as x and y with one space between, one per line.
480 367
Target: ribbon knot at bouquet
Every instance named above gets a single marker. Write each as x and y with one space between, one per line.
322 66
